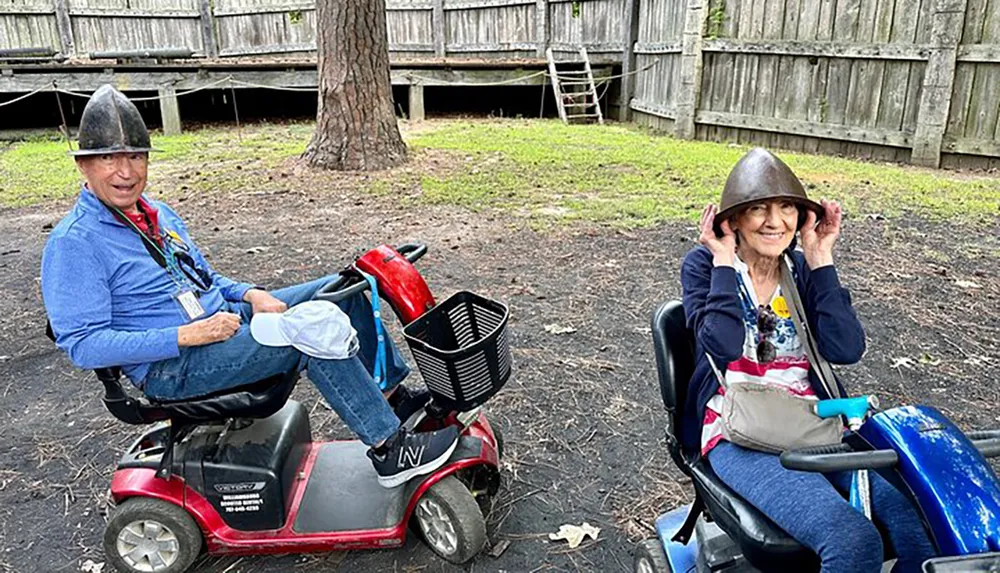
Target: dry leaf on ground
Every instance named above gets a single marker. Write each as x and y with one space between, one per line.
574 534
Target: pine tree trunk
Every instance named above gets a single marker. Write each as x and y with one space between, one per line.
356 126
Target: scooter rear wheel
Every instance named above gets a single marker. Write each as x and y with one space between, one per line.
650 557
146 535
450 521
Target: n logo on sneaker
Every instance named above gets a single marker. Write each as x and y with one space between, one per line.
411 456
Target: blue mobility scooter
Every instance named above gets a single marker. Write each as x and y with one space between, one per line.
942 470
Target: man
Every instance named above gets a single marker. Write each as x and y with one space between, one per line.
124 285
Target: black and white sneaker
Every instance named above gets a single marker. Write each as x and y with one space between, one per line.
408 455
406 401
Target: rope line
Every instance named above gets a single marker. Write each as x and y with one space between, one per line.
279 88
484 84
154 98
431 81
25 96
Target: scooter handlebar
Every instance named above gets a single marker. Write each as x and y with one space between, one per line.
835 458
986 441
350 284
840 457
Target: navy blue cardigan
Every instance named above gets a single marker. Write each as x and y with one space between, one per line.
712 308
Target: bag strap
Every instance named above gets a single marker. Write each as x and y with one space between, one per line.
823 369
718 373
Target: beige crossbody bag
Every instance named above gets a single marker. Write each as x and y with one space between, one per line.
768 418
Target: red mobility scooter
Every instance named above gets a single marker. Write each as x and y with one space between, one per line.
239 472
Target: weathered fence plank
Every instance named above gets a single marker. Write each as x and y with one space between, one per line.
840 132
946 31
847 50
691 68
630 31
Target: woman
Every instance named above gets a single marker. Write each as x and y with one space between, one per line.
735 307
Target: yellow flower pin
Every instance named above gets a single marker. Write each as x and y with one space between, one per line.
780 307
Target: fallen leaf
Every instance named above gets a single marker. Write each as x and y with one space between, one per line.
498 549
968 284
574 534
559 329
929 360
905 362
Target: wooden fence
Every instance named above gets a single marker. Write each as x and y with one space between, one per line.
467 29
899 80
902 80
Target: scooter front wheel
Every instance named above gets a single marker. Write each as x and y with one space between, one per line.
146 535
450 521
650 558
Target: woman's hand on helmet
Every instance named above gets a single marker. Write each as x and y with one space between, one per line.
723 248
818 240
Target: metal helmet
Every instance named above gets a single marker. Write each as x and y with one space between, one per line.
760 176
111 124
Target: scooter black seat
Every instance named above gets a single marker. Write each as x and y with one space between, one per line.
762 542
259 399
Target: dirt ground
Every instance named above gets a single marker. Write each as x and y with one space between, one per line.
581 415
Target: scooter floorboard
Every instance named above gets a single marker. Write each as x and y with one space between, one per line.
343 493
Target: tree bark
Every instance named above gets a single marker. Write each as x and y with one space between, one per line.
356 126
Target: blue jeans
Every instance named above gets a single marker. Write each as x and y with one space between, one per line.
812 509
347 385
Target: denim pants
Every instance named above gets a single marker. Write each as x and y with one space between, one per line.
347 385
812 509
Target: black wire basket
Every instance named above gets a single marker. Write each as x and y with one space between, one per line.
462 350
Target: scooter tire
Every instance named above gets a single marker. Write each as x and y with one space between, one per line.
449 498
175 521
650 558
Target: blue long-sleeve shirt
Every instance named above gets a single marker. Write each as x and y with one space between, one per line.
109 302
713 312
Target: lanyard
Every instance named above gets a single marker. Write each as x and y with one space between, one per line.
380 361
169 257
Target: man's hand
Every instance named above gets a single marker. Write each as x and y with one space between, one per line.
263 301
216 328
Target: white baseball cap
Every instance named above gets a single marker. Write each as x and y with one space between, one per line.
318 328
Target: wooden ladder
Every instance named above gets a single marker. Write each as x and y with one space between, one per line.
575 105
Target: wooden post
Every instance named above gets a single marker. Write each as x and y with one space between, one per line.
416 102
630 34
947 20
65 27
440 32
208 39
170 111
542 26
691 64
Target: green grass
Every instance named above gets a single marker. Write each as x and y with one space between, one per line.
208 160
626 176
544 170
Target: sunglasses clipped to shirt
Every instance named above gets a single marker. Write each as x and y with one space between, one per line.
767 324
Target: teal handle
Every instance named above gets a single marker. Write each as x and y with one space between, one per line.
851 408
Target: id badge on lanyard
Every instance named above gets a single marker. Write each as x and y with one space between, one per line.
189 304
